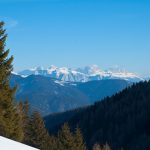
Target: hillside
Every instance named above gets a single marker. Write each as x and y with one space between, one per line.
49 95
122 120
97 90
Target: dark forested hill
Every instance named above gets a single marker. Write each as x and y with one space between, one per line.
49 95
122 120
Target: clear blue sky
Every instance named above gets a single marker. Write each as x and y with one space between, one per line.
76 33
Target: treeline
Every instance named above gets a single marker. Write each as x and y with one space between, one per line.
36 135
122 120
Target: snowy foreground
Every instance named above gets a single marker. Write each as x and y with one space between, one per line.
7 144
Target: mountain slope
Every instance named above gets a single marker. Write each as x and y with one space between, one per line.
49 95
85 74
122 120
97 90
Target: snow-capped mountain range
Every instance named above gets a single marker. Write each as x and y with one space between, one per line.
88 73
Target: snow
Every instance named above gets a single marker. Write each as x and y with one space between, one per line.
24 76
7 144
51 69
85 74
15 73
61 83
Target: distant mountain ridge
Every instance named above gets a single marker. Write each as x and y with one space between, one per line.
49 95
88 73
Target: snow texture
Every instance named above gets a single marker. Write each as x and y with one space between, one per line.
88 73
7 144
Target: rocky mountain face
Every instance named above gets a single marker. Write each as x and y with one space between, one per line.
88 73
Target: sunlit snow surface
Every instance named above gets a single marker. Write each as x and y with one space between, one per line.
85 74
6 144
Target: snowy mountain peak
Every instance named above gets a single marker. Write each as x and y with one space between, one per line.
37 68
117 69
84 74
52 67
90 70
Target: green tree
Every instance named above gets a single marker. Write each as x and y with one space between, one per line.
38 135
97 147
23 108
78 140
106 147
9 117
65 139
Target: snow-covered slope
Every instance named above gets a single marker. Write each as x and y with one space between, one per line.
85 74
7 144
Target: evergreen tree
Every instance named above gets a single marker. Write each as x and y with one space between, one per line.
38 135
106 147
9 117
65 139
97 147
78 140
23 108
